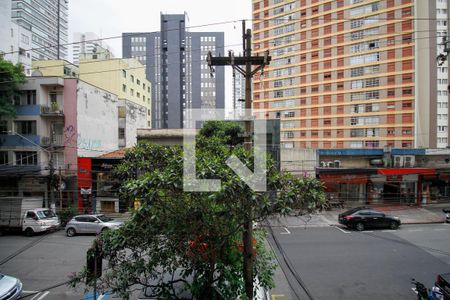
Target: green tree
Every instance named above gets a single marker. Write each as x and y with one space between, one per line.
196 237
11 76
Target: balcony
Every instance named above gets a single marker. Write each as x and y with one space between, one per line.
51 111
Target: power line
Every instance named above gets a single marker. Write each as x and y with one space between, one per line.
136 34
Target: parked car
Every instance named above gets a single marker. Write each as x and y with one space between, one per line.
443 283
361 219
10 287
90 224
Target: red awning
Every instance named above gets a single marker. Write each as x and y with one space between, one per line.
344 178
407 171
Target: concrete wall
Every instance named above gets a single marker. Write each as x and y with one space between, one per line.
70 125
136 117
299 161
97 120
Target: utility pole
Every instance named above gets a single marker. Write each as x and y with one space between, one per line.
236 62
51 166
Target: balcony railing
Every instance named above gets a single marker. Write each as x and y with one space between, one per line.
53 110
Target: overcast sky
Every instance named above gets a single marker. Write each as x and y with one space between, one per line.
108 18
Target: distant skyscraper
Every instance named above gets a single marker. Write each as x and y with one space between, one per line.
87 46
47 20
238 91
176 66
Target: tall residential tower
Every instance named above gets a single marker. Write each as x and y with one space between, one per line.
48 22
176 66
352 73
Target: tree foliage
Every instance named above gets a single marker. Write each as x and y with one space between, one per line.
11 76
195 236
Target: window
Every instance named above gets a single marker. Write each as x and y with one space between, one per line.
124 88
132 92
3 157
124 74
24 158
121 133
132 78
3 127
25 127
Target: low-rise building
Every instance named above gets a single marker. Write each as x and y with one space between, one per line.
52 128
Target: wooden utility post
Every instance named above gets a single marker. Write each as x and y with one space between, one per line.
236 62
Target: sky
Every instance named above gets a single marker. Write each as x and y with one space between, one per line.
109 18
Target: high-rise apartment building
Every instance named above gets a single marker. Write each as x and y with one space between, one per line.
88 45
48 22
15 41
442 75
175 61
352 73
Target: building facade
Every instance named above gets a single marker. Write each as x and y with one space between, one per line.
125 78
87 45
238 92
351 73
122 77
442 75
15 41
175 61
48 22
52 128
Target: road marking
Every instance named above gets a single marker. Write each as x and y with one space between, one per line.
40 295
367 231
440 229
30 292
389 230
278 296
287 231
414 230
344 231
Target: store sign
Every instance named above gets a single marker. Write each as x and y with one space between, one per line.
106 166
396 178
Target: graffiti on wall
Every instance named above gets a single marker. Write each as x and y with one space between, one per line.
88 144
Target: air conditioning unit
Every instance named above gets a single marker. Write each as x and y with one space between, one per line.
337 163
408 161
323 164
45 141
398 161
330 164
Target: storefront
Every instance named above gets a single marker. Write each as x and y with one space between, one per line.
399 185
348 185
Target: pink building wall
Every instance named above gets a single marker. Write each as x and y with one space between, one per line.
70 125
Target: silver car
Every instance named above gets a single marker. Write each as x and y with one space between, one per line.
90 224
10 288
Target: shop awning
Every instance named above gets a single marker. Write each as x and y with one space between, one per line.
344 178
407 171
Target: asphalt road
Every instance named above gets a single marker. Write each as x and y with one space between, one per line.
48 262
335 263
332 263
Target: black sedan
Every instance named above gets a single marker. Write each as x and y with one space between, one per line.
362 218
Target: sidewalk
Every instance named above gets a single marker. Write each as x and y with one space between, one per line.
407 214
